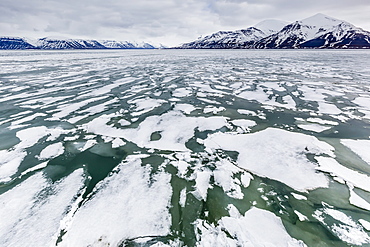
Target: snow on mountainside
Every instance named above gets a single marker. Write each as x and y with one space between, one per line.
112 44
318 31
270 26
60 43
14 43
244 38
57 44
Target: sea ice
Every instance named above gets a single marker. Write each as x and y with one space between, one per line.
128 204
144 105
353 177
52 151
36 204
360 147
185 108
174 127
244 124
358 201
313 127
247 230
345 227
276 154
11 159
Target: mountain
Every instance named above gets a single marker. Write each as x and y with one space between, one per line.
14 43
59 43
112 44
244 38
270 26
318 31
50 43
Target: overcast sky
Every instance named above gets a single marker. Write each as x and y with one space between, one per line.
169 22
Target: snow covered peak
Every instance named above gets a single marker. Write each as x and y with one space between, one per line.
270 26
317 25
318 31
321 20
56 38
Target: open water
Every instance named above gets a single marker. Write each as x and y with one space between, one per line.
185 148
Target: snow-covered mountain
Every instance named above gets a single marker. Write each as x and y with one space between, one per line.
318 31
50 43
270 26
244 38
14 43
60 43
112 44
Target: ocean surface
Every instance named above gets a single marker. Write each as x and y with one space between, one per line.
185 148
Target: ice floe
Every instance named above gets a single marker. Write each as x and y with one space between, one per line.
353 177
36 204
360 147
246 230
128 204
344 226
175 129
358 201
11 159
51 151
276 154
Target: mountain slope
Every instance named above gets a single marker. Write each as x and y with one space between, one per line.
244 38
318 31
270 26
57 43
13 43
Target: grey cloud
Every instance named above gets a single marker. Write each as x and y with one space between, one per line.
165 21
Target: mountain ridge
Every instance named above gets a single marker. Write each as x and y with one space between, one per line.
317 31
236 39
59 43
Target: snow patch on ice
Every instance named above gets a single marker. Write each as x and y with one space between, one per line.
202 184
301 216
185 108
345 228
11 159
244 124
355 178
36 204
360 147
52 151
247 230
313 127
118 142
131 198
298 196
358 201
144 105
182 199
175 129
247 112
213 109
35 168
276 154
365 224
